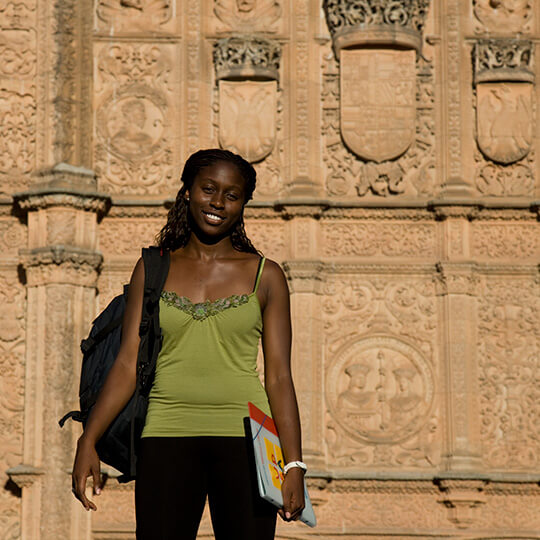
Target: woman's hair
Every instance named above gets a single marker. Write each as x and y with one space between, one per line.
176 232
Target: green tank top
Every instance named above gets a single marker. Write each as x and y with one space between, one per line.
206 369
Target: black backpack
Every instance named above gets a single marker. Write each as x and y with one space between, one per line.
118 445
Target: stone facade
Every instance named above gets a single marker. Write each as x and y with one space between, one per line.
396 147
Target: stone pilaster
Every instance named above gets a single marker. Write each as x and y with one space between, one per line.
457 284
61 265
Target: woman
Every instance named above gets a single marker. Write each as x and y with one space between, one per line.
220 296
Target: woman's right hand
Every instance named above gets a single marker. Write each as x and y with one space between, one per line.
86 464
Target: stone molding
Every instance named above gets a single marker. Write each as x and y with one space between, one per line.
64 185
304 276
24 475
373 23
463 499
456 278
245 57
503 59
61 264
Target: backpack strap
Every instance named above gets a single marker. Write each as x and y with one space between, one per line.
156 267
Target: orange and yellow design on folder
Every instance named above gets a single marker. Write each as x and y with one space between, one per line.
270 462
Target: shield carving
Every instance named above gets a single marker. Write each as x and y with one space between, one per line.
504 120
247 117
378 93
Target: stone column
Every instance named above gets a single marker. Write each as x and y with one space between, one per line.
457 285
61 266
304 274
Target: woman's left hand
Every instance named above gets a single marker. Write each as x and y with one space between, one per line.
292 490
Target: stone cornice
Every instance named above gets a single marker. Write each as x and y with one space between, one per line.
61 265
244 57
373 23
503 59
24 475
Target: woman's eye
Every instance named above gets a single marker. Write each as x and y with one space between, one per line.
232 197
207 189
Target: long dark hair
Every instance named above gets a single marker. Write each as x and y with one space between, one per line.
176 232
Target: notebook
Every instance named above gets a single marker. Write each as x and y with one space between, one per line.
270 463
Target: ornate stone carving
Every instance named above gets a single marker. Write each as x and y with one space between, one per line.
504 15
123 236
370 239
133 15
378 103
247 108
61 265
133 150
247 15
247 117
463 500
375 363
413 172
508 337
503 60
504 98
17 133
515 180
17 53
380 390
247 57
375 22
510 241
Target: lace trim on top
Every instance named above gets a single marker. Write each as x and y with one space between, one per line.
202 310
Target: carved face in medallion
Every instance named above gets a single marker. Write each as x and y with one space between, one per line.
380 390
245 6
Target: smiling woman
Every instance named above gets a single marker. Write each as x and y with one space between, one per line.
220 298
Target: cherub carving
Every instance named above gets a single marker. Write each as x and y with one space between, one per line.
248 14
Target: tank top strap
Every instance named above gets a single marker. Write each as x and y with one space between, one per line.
259 274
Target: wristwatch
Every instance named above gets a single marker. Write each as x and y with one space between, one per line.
293 464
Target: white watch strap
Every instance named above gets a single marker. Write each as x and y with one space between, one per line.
292 464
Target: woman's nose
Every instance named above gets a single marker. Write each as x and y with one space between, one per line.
217 200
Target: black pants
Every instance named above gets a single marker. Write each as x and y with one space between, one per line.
175 474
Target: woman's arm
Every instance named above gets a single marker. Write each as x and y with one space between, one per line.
114 395
276 341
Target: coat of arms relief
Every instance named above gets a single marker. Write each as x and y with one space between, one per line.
504 80
247 74
387 135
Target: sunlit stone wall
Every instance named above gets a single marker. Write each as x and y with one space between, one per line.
396 146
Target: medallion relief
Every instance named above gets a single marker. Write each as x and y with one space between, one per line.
133 148
380 381
247 15
380 390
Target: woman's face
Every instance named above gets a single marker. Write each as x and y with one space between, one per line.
216 198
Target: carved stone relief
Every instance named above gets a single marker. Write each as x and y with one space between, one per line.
504 15
17 133
378 102
372 239
247 15
247 117
508 337
504 96
133 149
12 361
380 373
412 173
248 108
133 15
